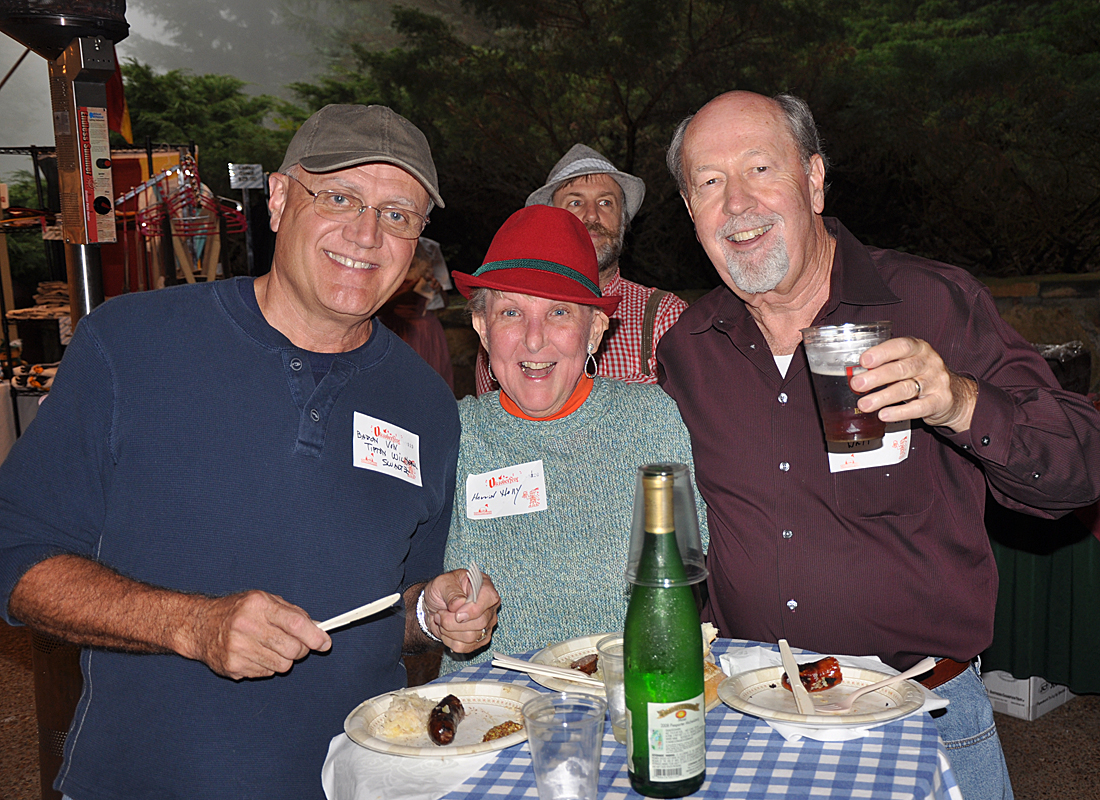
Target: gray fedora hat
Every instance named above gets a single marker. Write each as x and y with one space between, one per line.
583 160
342 136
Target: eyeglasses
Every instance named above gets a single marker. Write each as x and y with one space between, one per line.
341 207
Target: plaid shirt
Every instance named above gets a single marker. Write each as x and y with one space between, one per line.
621 349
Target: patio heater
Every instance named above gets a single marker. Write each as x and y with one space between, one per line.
77 38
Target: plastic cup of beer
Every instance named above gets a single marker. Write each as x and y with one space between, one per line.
565 732
610 650
833 353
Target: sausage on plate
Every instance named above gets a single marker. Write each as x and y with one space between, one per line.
444 719
817 676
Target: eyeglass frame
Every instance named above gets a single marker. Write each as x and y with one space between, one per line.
363 207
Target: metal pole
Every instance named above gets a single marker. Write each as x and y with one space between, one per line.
85 268
37 177
251 260
14 67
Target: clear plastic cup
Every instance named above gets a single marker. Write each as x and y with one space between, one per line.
610 650
685 518
833 353
565 731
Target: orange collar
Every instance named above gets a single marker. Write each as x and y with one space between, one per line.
575 401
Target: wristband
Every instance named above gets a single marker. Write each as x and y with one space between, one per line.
420 618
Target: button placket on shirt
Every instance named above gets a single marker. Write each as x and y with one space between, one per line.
785 467
314 401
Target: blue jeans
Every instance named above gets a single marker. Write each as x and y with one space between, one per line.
970 735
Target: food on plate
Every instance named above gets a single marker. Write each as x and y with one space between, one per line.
502 730
587 664
406 716
817 676
712 673
444 718
710 633
712 677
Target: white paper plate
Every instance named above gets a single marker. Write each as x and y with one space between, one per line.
563 654
760 693
487 704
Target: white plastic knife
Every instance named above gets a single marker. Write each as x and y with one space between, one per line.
358 613
801 696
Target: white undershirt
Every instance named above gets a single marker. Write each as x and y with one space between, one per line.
784 363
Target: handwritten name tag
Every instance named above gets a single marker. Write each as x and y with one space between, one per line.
505 492
383 447
892 449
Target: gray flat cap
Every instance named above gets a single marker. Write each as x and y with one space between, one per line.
583 160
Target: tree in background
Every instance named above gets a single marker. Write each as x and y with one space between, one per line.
259 43
614 75
964 130
970 133
26 255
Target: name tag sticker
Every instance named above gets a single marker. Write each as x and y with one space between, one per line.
383 447
506 492
893 448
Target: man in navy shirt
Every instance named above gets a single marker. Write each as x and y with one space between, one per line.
218 465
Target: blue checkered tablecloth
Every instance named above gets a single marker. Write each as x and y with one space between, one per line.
747 760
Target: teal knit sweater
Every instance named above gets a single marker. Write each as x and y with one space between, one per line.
560 571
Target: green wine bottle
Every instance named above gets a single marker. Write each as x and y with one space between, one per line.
663 659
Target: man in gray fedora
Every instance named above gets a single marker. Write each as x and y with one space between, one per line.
606 199
220 464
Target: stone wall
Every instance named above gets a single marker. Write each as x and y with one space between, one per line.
1054 309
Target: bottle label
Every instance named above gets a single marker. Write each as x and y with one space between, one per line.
677 740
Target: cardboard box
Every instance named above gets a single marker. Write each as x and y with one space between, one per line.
1028 698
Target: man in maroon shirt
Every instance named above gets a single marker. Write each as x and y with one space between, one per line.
883 551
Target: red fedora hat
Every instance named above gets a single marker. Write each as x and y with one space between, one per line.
541 251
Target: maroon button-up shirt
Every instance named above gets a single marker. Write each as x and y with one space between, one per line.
891 561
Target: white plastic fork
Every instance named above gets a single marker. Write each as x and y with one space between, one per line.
845 705
475 581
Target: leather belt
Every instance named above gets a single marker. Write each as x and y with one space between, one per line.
945 670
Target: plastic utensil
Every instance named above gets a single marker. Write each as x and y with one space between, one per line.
358 613
475 581
518 664
801 696
845 705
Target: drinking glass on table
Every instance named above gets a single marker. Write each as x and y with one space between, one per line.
833 353
610 650
565 731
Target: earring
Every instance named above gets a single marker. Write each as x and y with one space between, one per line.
489 364
590 371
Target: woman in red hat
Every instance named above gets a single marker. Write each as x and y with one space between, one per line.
546 467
